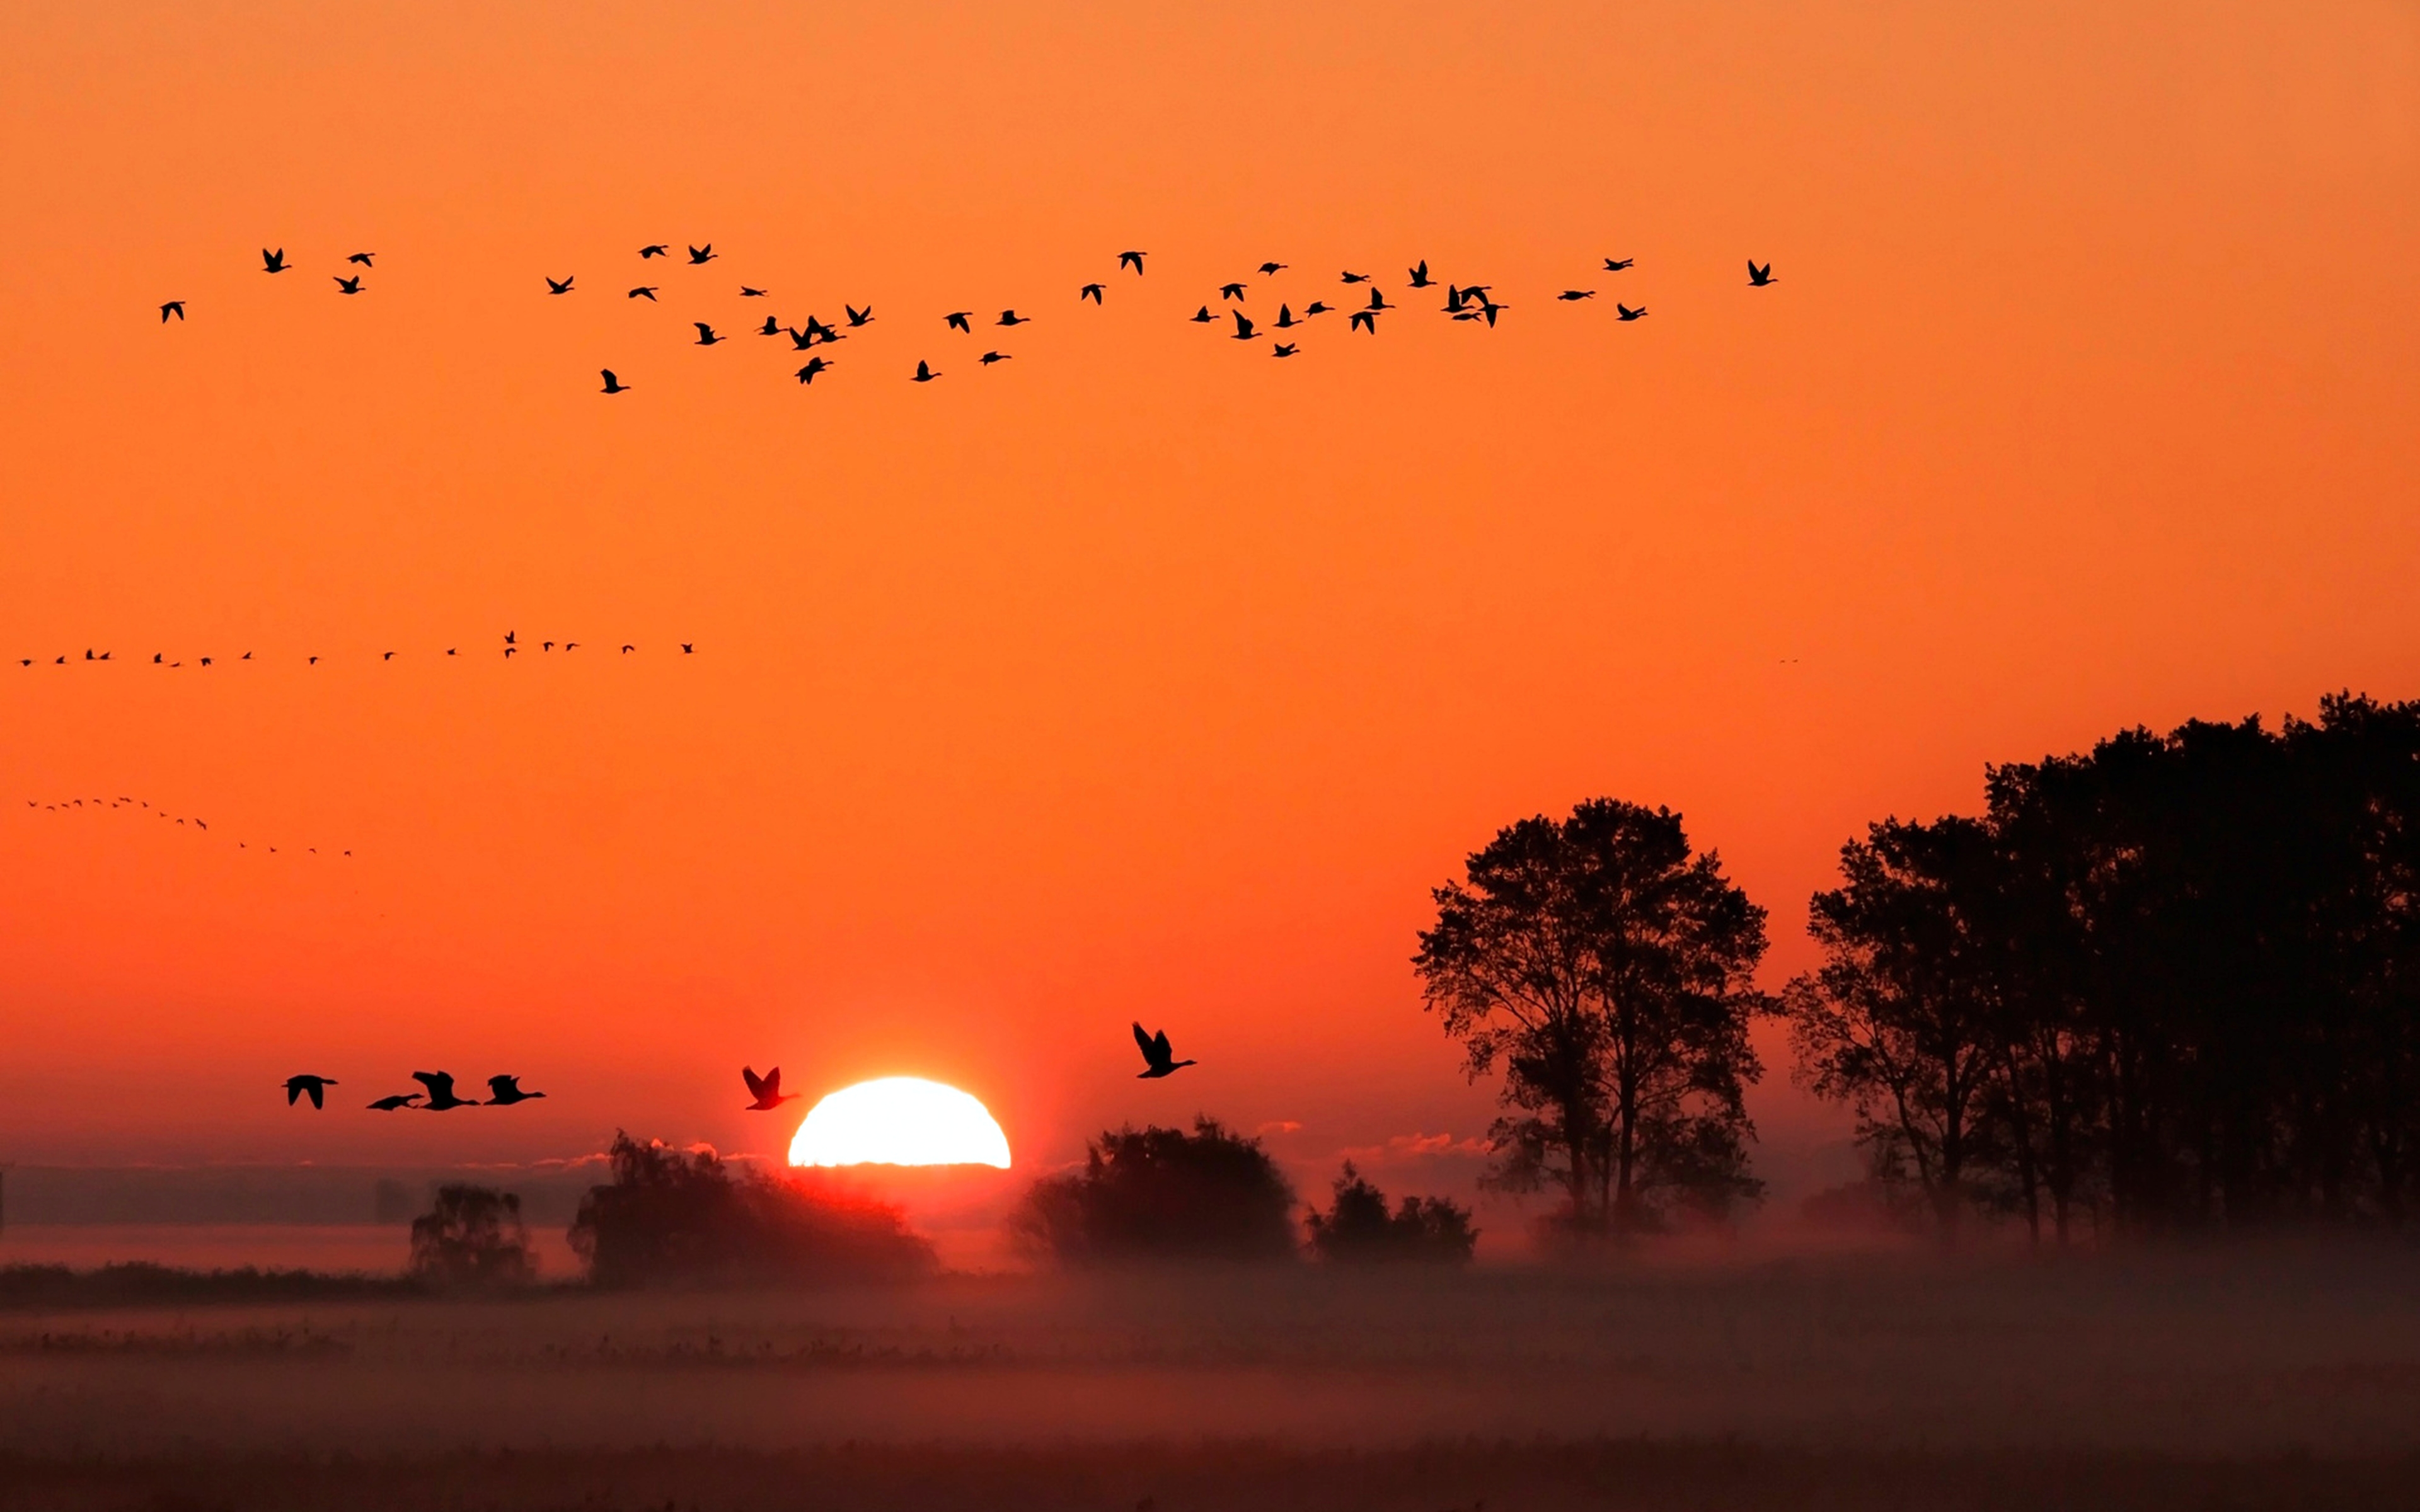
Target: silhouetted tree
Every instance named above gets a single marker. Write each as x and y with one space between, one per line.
681 1215
1356 1226
1902 1020
1162 1194
474 1236
2187 968
1608 970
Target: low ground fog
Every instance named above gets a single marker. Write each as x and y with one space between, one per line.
2176 1380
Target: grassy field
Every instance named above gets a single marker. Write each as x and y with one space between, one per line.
2266 1379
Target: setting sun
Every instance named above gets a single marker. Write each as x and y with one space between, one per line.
899 1121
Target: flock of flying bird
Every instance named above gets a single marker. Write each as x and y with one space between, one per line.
1467 302
198 826
1470 303
512 646
764 1092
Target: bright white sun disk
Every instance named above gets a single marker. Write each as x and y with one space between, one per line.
899 1121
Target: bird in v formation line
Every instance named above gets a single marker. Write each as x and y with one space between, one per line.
511 647
1465 303
193 824
764 1092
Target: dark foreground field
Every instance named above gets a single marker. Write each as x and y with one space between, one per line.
2246 1380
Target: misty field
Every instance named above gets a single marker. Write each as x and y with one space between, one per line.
2247 1379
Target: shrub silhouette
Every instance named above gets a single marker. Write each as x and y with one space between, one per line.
473 1237
1162 1194
1356 1226
681 1215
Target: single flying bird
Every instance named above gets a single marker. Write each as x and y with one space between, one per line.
399 1099
1314 307
705 336
645 291
957 320
174 307
699 256
1159 1060
1285 318
1576 293
924 373
807 375
1759 277
1364 320
1243 327
1614 265
1090 291
441 1090
504 1091
559 286
349 286
989 358
765 1089
1421 274
1010 318
367 260
1270 269
1351 277
770 328
1203 317
1131 259
314 1087
1230 291
1623 312
1283 349
746 293
653 249
857 316
273 262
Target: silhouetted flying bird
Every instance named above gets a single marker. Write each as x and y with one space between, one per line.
1159 1060
441 1090
765 1089
504 1091
314 1087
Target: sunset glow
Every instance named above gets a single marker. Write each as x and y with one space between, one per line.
899 1121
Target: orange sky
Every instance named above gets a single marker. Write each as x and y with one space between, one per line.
1141 675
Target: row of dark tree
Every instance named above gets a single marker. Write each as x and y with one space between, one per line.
2170 985
685 1216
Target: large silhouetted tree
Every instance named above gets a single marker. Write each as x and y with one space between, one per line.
2170 984
1606 969
1903 1021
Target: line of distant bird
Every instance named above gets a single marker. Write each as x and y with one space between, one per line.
144 804
1467 303
765 1092
437 1097
512 646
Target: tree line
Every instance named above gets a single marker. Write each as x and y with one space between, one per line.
2169 985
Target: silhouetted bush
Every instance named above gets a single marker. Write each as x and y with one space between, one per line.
473 1237
1356 1226
1162 1194
142 1283
681 1215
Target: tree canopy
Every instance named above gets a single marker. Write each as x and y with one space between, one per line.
1608 969
1359 1228
673 1214
1162 1194
2173 983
